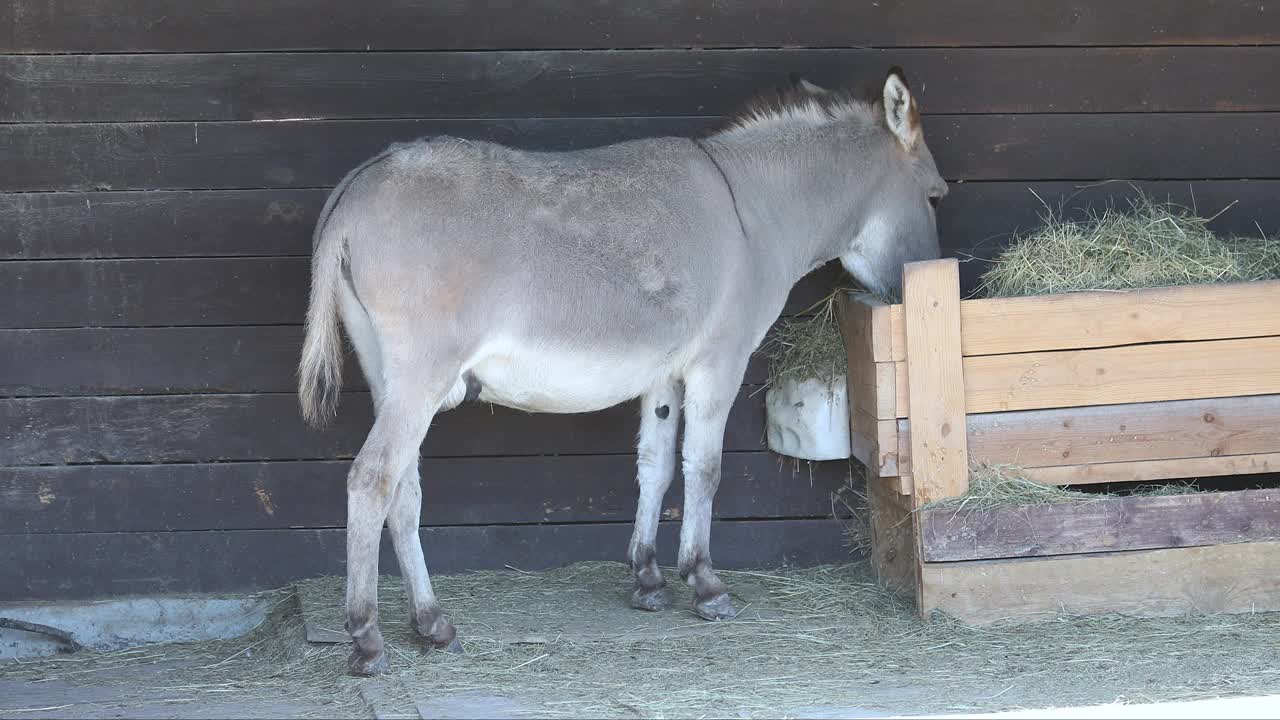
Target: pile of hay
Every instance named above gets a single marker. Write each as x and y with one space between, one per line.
1150 245
993 486
807 346
832 637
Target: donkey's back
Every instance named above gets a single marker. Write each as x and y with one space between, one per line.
553 282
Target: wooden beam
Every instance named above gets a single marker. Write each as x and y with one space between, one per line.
1117 375
1080 320
1102 524
864 328
931 293
1115 435
92 565
1156 469
1239 578
893 547
875 443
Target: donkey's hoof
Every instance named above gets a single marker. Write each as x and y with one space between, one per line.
651 599
437 630
719 607
362 666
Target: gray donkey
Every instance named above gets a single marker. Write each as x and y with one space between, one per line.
570 282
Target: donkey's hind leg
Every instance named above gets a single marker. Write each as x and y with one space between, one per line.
655 467
425 615
409 399
406 506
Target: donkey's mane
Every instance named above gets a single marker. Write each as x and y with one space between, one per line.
797 106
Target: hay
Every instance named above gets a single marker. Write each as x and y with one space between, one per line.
1150 245
992 486
806 347
995 485
836 639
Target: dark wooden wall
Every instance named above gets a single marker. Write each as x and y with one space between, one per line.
162 163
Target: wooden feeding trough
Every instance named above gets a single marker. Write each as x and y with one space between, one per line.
1079 388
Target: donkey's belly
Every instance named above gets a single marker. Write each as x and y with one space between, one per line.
559 382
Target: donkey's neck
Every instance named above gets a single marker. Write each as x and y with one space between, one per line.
795 196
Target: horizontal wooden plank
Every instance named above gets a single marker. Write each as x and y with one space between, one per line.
192 291
201 291
149 361
1056 147
1117 375
172 360
993 326
172 25
40 226
458 491
301 154
1239 578
316 153
216 428
1104 524
1119 433
974 217
83 565
1144 470
210 87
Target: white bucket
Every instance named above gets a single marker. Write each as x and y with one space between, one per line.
808 419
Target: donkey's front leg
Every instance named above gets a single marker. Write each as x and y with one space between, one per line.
709 394
655 467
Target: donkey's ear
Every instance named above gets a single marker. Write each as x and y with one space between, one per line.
900 109
799 83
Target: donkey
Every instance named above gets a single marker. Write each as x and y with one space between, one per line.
573 281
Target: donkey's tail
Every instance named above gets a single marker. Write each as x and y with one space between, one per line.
320 371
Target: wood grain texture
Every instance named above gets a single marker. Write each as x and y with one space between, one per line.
1214 579
1230 426
864 327
86 565
223 428
995 326
1106 524
931 300
210 223
220 25
317 153
294 154
1078 147
202 292
577 83
40 226
875 443
176 360
1133 374
893 543
458 491
1143 470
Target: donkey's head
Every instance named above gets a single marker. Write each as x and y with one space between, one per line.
825 174
899 223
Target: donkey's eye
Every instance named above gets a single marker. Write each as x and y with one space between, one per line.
933 200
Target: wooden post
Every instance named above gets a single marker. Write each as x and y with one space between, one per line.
935 373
